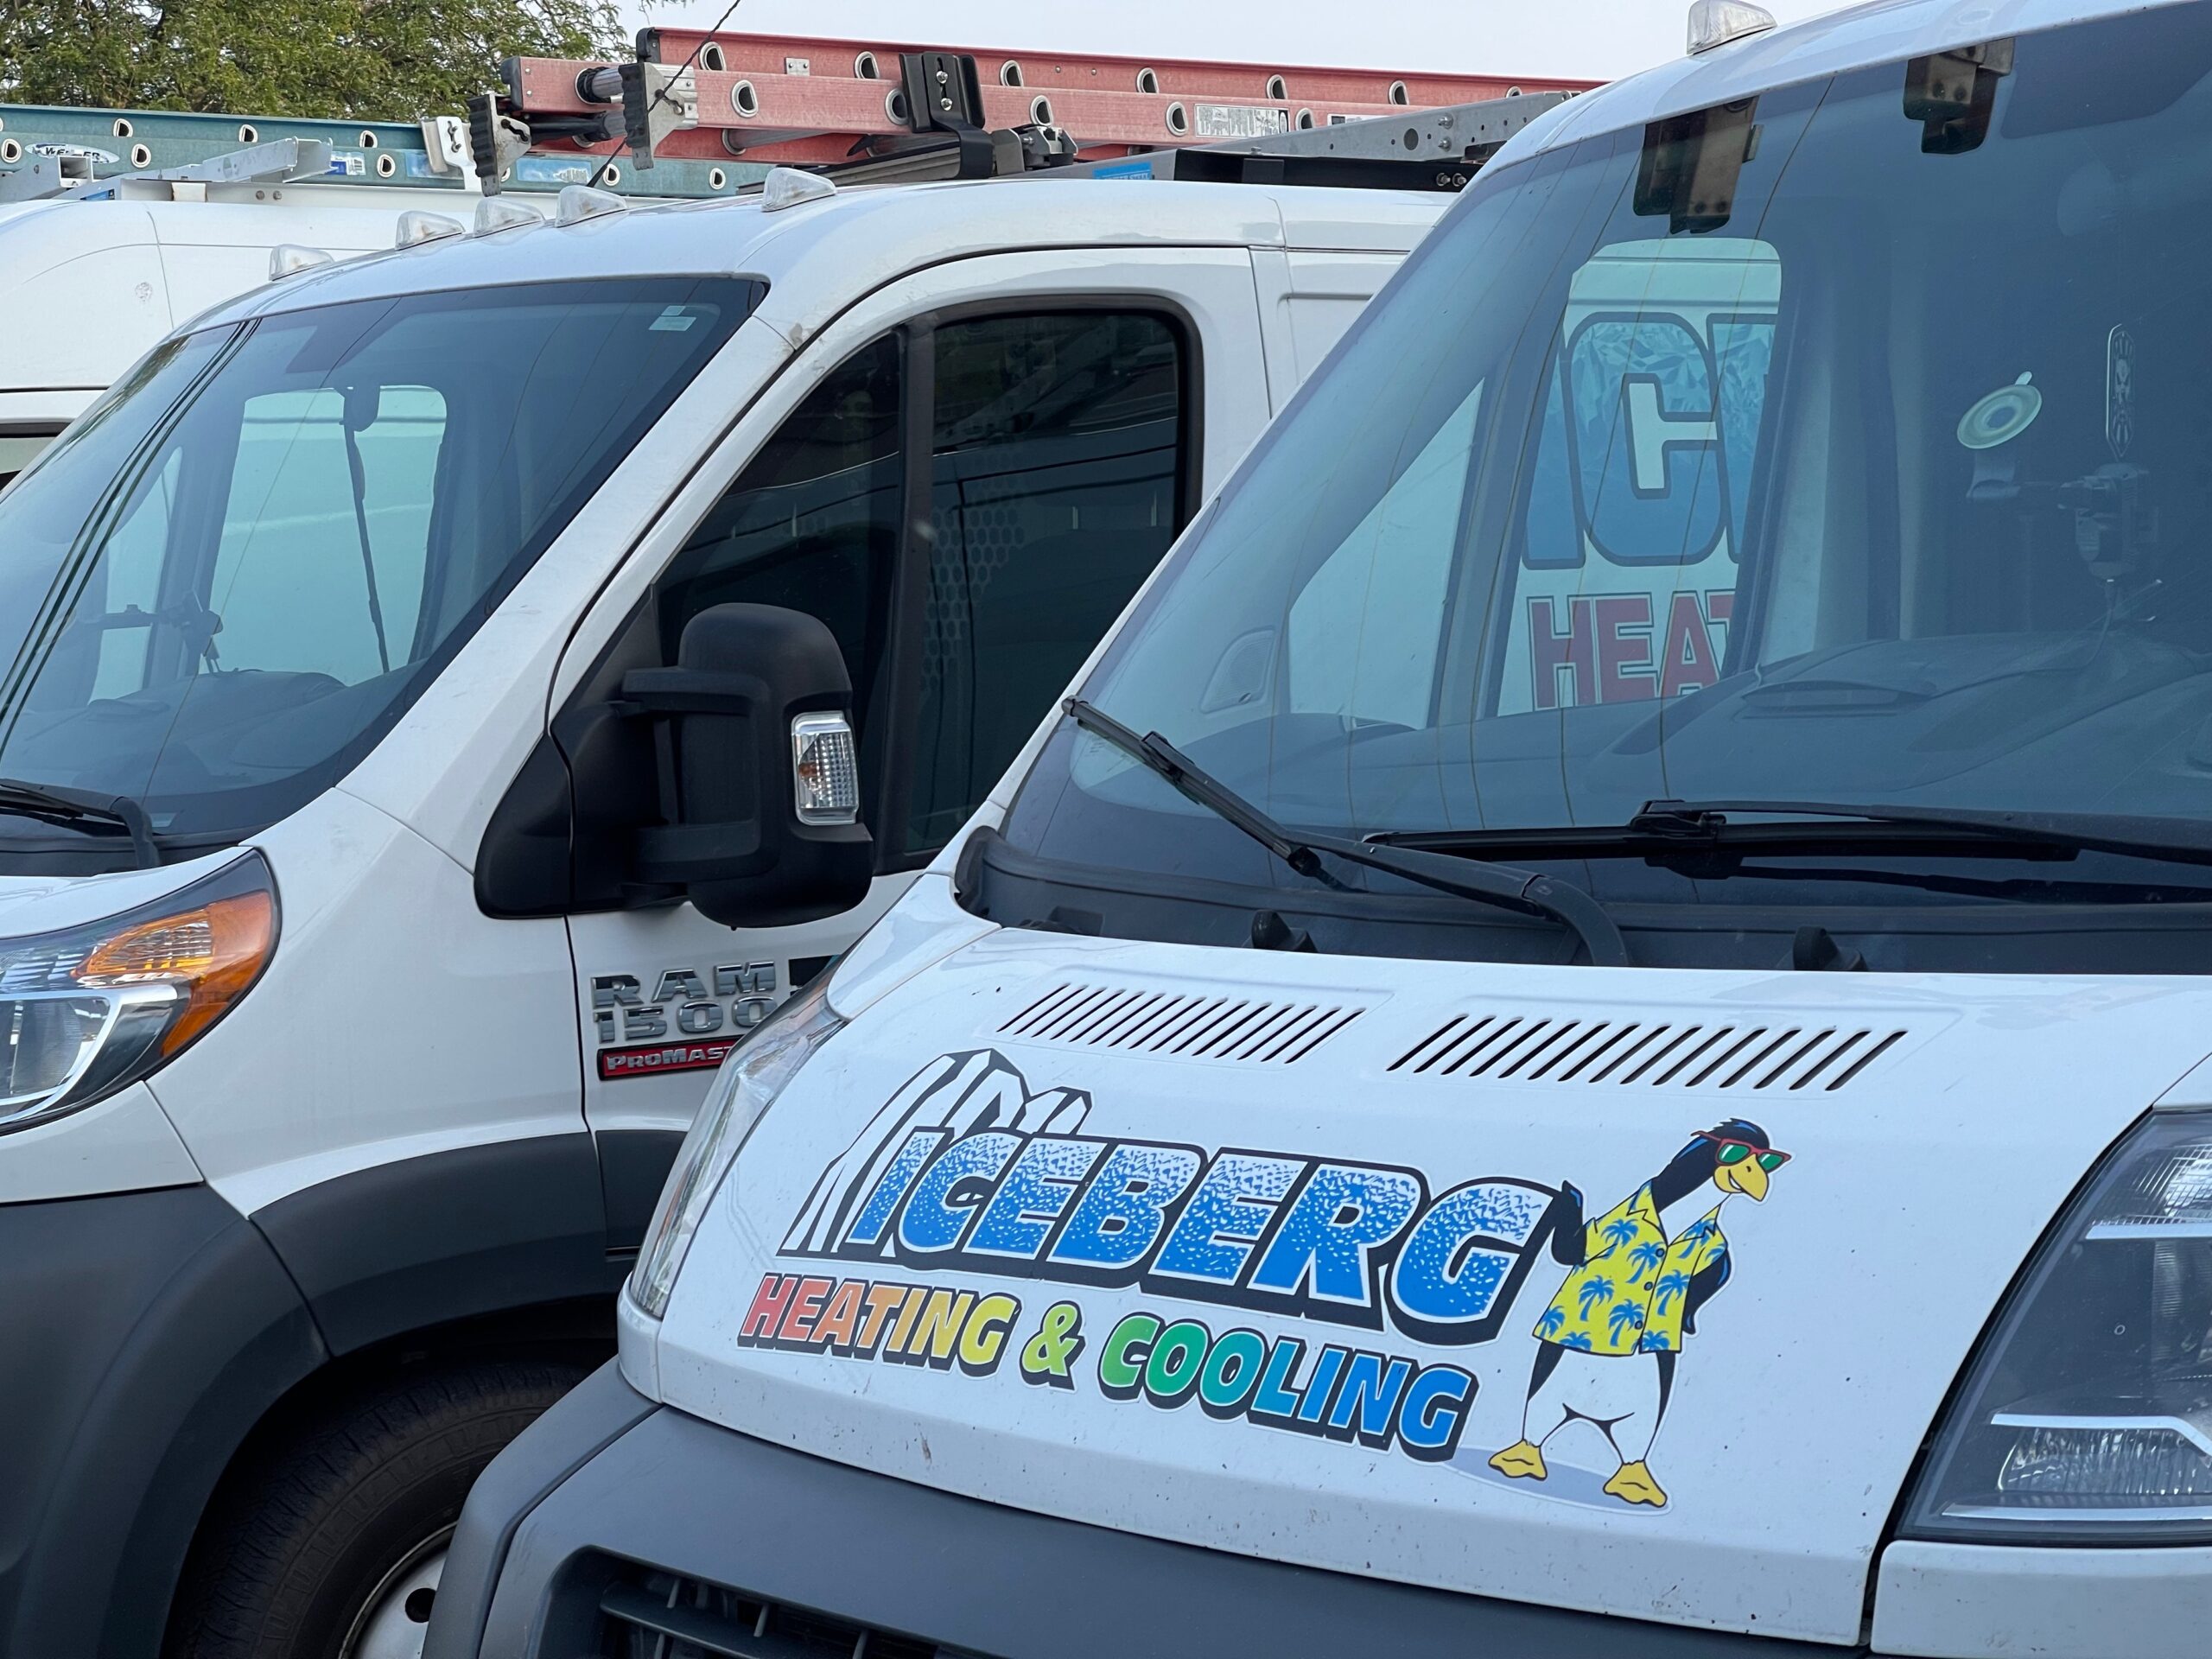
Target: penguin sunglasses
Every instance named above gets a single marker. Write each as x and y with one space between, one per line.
1734 1152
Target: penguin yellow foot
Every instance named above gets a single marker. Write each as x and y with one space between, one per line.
1522 1460
1632 1484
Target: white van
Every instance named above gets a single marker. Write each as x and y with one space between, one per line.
1589 1033
413 669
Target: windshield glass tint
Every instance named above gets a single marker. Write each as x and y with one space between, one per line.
223 586
1883 480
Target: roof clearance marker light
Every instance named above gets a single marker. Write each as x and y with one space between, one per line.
1716 23
578 202
288 259
418 227
786 187
497 214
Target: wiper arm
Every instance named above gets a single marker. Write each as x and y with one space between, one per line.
1486 883
78 805
2181 839
1668 828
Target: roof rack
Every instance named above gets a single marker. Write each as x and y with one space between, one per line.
143 153
699 114
1426 149
885 111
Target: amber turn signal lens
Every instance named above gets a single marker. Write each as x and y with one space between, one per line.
211 951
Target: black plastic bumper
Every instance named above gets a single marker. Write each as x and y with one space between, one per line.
607 1491
144 1333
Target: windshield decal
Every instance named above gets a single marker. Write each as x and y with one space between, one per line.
1641 482
968 1169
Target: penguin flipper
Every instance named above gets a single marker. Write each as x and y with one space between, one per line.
1570 1233
1705 1284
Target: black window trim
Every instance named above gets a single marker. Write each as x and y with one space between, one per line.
910 593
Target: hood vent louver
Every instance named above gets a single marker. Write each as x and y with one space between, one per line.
1243 1029
1659 1055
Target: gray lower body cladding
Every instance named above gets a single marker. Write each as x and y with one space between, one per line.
146 1334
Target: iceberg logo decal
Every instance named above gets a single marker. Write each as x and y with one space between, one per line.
967 1169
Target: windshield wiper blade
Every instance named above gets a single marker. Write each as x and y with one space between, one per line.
1485 883
1666 827
2181 839
79 805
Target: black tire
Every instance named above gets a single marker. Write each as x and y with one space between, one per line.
311 1525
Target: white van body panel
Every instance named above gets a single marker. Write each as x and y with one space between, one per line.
870 236
1927 1200
395 1019
1979 1601
122 1144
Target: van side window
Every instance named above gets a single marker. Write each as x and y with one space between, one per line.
1057 484
811 524
1056 477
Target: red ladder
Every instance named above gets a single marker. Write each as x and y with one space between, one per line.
803 100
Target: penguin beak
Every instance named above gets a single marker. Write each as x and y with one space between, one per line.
1749 1178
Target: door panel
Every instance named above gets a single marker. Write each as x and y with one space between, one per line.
662 995
1050 429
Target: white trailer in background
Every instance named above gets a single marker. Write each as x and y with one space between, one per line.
117 226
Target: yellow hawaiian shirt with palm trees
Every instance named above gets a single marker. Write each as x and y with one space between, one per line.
1632 1290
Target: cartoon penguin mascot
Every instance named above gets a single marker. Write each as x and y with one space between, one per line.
1608 1342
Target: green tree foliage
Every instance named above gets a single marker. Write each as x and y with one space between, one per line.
352 59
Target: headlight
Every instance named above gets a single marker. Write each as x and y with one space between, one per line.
2088 1417
747 1084
85 1011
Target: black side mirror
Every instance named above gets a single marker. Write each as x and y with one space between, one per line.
758 773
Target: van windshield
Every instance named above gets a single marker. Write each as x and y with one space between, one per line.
1851 444
223 585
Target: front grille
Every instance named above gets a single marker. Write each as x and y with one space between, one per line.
1246 1029
648 1615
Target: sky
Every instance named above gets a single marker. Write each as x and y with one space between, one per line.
1599 39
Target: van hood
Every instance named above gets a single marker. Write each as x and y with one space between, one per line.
1292 1255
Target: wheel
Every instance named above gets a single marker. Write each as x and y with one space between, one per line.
327 1543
